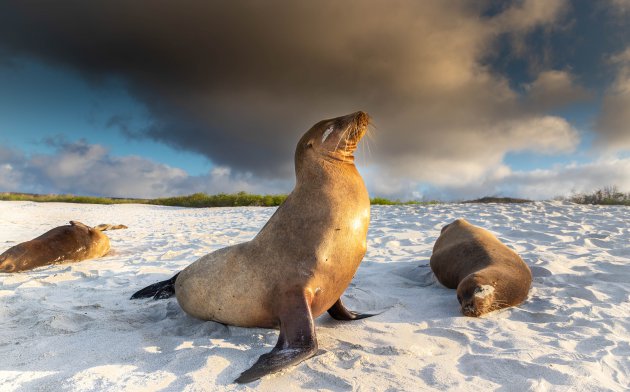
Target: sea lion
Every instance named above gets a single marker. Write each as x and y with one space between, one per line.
301 261
487 274
74 242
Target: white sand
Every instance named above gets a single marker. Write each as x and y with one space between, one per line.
72 327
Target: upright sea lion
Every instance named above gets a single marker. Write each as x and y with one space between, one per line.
487 274
299 264
74 242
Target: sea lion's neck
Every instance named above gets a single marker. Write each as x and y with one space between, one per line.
328 168
340 156
322 180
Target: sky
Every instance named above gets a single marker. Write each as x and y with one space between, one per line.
154 98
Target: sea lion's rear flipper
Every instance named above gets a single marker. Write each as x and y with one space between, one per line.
339 312
77 223
106 226
296 343
160 290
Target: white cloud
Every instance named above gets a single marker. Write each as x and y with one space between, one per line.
82 168
89 169
561 180
466 156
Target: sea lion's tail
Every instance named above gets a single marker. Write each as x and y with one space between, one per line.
159 290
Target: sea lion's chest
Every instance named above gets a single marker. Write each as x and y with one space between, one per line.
323 255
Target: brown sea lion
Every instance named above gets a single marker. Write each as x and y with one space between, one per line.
74 242
302 260
487 274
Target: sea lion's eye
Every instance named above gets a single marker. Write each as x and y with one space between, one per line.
459 299
309 144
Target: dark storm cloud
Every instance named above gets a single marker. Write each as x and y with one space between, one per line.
240 81
613 121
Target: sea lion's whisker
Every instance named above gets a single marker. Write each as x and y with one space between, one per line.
340 137
367 145
345 149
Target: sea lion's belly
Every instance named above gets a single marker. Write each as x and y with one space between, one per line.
227 286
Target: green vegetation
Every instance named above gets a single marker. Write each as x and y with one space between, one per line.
491 199
195 200
607 196
220 200
66 198
381 201
610 195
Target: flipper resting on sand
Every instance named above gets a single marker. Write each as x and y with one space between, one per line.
297 341
159 290
107 226
339 312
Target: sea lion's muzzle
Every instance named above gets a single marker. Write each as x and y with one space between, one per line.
356 124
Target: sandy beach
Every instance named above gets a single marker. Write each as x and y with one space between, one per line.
72 327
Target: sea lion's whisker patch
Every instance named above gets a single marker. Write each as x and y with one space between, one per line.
345 149
341 137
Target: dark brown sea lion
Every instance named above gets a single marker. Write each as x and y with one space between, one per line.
302 260
74 242
487 274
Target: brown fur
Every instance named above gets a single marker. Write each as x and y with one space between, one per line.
487 274
74 242
311 247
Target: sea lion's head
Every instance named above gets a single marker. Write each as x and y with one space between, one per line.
476 295
7 264
335 139
15 259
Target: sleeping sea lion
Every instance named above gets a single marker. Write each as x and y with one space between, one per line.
487 274
73 242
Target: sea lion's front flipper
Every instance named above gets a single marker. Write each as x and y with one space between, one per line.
296 342
339 312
